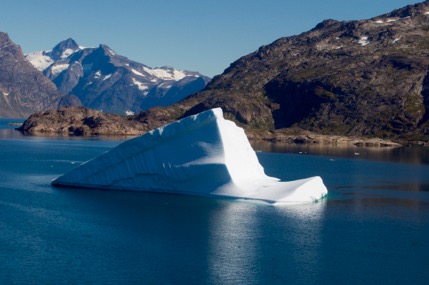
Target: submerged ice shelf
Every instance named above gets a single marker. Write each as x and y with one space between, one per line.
203 154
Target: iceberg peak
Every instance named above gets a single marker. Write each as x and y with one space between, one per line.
202 154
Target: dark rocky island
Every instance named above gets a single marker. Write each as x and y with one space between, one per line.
365 79
80 121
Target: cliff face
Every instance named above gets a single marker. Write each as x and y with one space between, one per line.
23 89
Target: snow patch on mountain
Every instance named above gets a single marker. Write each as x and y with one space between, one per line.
107 76
136 72
166 74
67 53
390 20
363 41
165 85
40 60
111 51
141 86
58 68
43 59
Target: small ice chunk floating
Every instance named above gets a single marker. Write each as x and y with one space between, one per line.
203 154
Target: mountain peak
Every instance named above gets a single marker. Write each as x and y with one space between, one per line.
106 50
102 79
410 10
7 45
68 43
23 89
64 49
4 37
325 23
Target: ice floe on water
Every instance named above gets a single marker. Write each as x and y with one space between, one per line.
203 154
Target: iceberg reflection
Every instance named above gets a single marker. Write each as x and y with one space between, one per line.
240 237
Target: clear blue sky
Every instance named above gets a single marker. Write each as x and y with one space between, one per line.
198 35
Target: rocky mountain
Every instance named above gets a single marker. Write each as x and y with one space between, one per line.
351 78
354 78
99 78
23 89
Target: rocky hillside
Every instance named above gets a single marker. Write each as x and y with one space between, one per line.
365 78
99 78
23 89
353 78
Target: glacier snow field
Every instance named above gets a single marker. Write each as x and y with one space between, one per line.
372 228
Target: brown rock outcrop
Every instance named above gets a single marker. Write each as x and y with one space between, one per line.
80 121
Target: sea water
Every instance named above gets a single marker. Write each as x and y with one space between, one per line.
373 228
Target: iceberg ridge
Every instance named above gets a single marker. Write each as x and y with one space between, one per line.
203 154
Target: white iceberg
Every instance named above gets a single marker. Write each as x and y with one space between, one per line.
203 154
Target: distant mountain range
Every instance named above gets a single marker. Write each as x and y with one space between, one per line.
97 78
353 78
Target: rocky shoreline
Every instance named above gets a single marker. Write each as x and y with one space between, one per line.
310 138
79 121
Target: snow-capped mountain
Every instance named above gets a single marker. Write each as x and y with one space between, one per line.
43 59
101 79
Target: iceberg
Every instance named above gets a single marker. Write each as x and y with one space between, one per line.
203 154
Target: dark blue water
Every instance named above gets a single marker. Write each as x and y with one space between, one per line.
373 228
